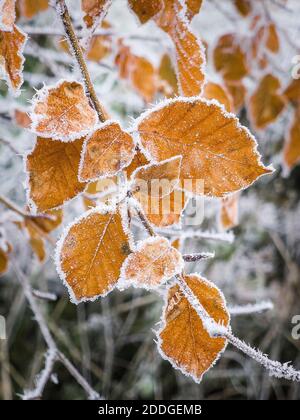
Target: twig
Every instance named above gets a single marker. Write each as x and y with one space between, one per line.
44 295
198 257
77 51
251 308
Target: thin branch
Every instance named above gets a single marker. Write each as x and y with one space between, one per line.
198 257
251 308
44 295
78 54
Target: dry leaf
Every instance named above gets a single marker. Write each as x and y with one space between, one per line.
193 8
52 169
36 241
11 57
154 262
229 211
183 340
145 9
266 104
238 94
29 8
291 151
292 92
216 91
106 152
229 58
95 11
138 71
7 15
215 148
62 112
272 42
243 6
22 118
159 179
100 45
138 160
4 259
168 77
91 253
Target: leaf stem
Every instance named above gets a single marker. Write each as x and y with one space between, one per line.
78 54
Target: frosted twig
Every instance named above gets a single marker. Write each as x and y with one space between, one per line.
44 295
43 378
10 146
251 308
198 257
190 234
78 55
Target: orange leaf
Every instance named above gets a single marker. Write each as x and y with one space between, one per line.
4 258
165 211
154 262
22 118
7 15
272 42
266 104
145 9
99 48
29 8
36 241
215 148
138 160
139 71
168 76
292 92
216 91
157 180
243 6
238 94
62 112
193 8
229 58
229 212
95 11
90 255
106 152
11 57
52 169
190 57
48 222
291 151
183 340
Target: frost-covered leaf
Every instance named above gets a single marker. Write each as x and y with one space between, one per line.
266 103
106 152
138 161
214 147
4 258
22 118
62 112
90 254
11 57
145 9
52 169
154 262
138 71
230 59
243 6
183 340
292 92
168 77
7 15
29 8
216 91
190 57
100 45
291 151
158 179
193 8
229 211
94 11
238 94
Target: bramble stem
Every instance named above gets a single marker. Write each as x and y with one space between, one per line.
78 54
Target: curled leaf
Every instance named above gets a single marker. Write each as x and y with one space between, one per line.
216 150
11 57
183 340
154 262
62 112
106 152
90 255
52 169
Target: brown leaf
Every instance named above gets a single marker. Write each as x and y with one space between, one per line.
229 211
193 8
272 41
63 112
11 57
48 222
291 151
106 152
29 8
138 71
183 340
154 262
216 91
36 241
238 94
168 77
4 260
243 6
292 92
266 103
22 118
7 15
138 160
159 179
95 11
100 45
145 9
229 58
90 255
52 169
214 147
